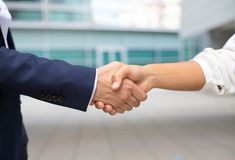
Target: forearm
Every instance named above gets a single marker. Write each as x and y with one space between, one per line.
49 80
186 76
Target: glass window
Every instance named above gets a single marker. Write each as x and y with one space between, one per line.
169 53
141 57
118 56
106 58
66 54
26 15
169 56
68 16
93 57
76 57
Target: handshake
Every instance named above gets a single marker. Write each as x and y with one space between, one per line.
120 87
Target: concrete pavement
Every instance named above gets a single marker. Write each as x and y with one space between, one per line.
168 126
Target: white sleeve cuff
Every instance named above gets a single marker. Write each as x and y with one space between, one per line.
212 85
94 87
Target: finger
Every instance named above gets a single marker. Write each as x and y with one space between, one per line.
120 110
125 107
113 112
99 105
118 77
132 101
129 108
108 108
145 86
139 94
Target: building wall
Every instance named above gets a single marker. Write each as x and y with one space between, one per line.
78 11
95 48
64 29
206 23
205 15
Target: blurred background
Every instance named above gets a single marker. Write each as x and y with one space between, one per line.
170 125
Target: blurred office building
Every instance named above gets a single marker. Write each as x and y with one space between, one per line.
96 32
206 23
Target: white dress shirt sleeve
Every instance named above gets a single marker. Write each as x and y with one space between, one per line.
219 68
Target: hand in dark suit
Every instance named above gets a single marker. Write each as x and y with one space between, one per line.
55 82
63 84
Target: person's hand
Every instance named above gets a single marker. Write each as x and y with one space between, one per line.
137 74
124 98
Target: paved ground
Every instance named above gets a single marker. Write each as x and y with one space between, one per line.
169 126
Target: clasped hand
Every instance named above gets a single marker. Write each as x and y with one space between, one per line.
120 87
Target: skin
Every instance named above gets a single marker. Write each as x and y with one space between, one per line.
182 76
122 99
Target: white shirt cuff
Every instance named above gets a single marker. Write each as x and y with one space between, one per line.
94 87
211 84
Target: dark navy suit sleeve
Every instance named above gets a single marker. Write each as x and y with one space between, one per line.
52 81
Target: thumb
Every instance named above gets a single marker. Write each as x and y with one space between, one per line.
119 76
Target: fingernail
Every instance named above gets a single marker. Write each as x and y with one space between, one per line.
115 85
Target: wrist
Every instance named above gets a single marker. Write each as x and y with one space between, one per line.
153 75
150 78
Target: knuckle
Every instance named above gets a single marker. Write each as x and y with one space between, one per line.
119 64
